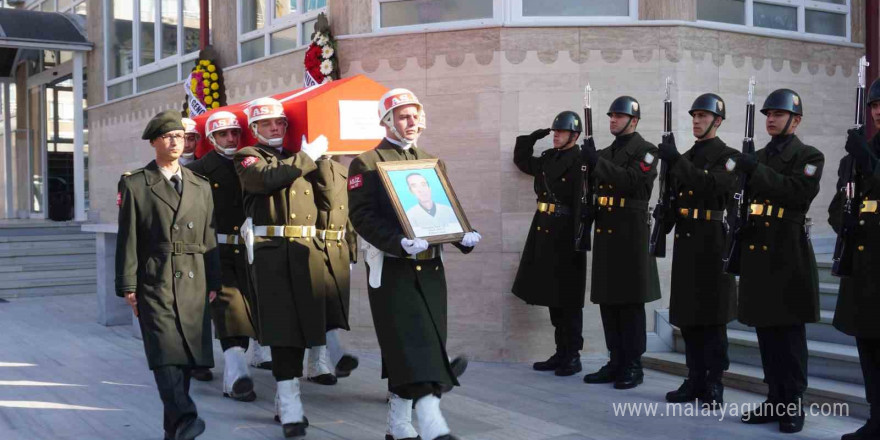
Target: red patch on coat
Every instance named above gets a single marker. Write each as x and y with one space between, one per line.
645 167
355 182
119 199
248 161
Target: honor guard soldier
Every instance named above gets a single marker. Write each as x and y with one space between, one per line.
190 142
407 281
551 273
231 309
703 298
778 284
624 273
858 305
338 242
280 233
168 269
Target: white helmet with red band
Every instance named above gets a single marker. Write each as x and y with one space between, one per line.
423 121
391 100
265 108
218 121
189 126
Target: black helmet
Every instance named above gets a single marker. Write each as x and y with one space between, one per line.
567 120
626 105
784 99
711 103
874 91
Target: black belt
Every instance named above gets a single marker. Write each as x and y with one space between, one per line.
553 208
701 214
622 202
761 210
179 248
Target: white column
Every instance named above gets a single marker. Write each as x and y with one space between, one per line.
7 153
79 165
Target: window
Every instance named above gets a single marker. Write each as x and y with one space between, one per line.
162 50
575 8
416 12
819 17
271 26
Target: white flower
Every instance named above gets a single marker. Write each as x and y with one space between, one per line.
327 67
326 80
327 52
317 36
321 41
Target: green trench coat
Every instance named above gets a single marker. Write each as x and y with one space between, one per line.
166 252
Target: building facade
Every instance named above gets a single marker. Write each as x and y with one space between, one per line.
486 71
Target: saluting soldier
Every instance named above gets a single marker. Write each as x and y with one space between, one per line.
167 269
281 213
858 305
231 309
703 298
778 284
624 273
551 273
338 242
407 281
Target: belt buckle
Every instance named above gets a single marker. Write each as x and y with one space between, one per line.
869 206
696 214
542 207
684 212
603 201
756 209
177 247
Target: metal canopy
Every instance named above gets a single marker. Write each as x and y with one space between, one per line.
21 29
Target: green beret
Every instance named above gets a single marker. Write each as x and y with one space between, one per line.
169 120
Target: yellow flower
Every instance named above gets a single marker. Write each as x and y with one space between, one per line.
212 68
193 88
214 77
216 95
206 91
204 62
215 104
209 100
215 86
206 82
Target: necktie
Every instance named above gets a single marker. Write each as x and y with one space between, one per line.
178 185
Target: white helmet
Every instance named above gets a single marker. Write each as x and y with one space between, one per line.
189 126
218 121
391 100
265 108
423 121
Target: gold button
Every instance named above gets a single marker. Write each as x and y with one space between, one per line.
419 268
332 226
767 224
676 235
436 267
610 186
751 247
545 193
547 231
766 201
563 179
861 248
681 194
309 217
308 192
539 228
237 251
610 231
764 248
292 215
235 228
292 192
687 234
338 244
291 239
342 207
600 187
609 209
861 222
216 185
598 231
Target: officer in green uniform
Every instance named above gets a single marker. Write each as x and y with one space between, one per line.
281 213
231 310
624 273
551 273
167 269
336 238
779 283
858 305
407 281
703 298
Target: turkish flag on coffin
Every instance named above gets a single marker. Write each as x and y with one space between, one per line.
345 111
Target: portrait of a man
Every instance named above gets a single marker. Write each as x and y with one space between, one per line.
429 214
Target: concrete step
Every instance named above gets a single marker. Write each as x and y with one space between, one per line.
750 378
79 248
47 282
822 331
50 244
53 274
44 261
53 237
73 289
827 360
48 228
80 263
828 295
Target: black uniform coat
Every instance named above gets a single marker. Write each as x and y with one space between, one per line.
330 182
171 288
779 282
550 272
231 309
701 293
623 270
858 303
409 309
290 313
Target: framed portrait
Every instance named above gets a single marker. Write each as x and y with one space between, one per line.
424 200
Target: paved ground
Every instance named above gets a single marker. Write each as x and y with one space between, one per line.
62 376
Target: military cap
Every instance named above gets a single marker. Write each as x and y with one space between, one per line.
567 120
874 91
783 99
626 105
162 123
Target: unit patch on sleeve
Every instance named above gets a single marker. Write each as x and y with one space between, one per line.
355 182
248 161
810 170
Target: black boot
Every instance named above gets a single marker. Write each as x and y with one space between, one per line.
631 376
690 390
347 363
607 374
765 413
202 374
295 429
791 423
550 364
570 365
870 431
713 395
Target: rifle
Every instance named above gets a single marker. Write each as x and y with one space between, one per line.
585 218
741 215
841 262
666 197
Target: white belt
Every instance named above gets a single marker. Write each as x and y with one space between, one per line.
325 234
285 231
229 239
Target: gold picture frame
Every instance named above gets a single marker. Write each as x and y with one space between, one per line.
423 213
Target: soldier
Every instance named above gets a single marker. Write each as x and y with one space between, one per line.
703 298
778 284
167 269
407 281
281 222
190 142
231 310
857 304
624 273
551 273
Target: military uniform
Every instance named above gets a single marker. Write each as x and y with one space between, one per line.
166 253
279 199
551 273
230 311
624 273
703 298
858 305
409 308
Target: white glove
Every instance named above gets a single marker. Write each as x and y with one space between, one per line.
247 233
351 267
315 149
471 239
413 247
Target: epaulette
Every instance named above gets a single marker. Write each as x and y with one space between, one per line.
133 172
